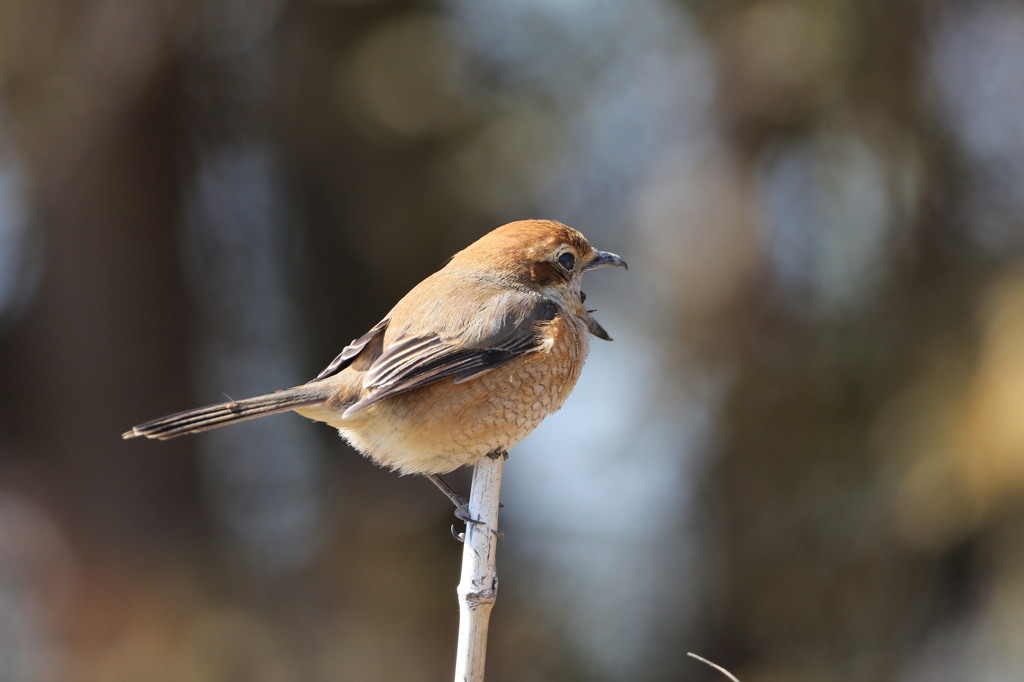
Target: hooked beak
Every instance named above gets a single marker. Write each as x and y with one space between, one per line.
603 259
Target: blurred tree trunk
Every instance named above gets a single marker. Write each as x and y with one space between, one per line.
92 356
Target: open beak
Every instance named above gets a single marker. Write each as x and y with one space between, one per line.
603 259
595 327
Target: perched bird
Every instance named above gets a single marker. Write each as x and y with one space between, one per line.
467 364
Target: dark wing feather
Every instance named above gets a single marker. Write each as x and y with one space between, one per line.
511 329
349 352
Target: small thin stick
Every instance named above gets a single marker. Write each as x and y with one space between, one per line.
478 587
713 665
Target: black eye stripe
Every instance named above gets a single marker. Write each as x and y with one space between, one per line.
567 260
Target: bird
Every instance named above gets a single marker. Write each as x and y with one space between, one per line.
465 365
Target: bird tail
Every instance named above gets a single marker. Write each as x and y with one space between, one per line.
214 416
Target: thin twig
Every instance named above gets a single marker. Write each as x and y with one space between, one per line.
478 588
713 665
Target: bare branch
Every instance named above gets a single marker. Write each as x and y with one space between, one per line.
478 588
713 665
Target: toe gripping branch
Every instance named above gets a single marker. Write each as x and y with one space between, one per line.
461 503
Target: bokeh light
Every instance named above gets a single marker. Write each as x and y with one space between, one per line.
802 456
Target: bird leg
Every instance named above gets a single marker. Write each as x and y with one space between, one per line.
460 502
456 499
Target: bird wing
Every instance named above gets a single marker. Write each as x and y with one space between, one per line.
349 352
504 325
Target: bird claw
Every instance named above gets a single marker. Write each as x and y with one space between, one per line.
462 514
462 504
461 537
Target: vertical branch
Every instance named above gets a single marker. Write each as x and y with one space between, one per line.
478 587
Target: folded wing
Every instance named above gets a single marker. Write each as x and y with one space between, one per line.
505 325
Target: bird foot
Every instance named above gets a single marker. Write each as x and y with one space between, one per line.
462 504
462 514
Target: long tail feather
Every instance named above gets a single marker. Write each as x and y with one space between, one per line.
213 416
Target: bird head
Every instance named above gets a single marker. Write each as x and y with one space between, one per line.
543 255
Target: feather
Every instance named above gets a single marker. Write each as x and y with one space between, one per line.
349 352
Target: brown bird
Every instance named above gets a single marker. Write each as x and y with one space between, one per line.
467 364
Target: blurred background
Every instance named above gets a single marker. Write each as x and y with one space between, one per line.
802 457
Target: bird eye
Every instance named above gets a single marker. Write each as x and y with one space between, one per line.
567 260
